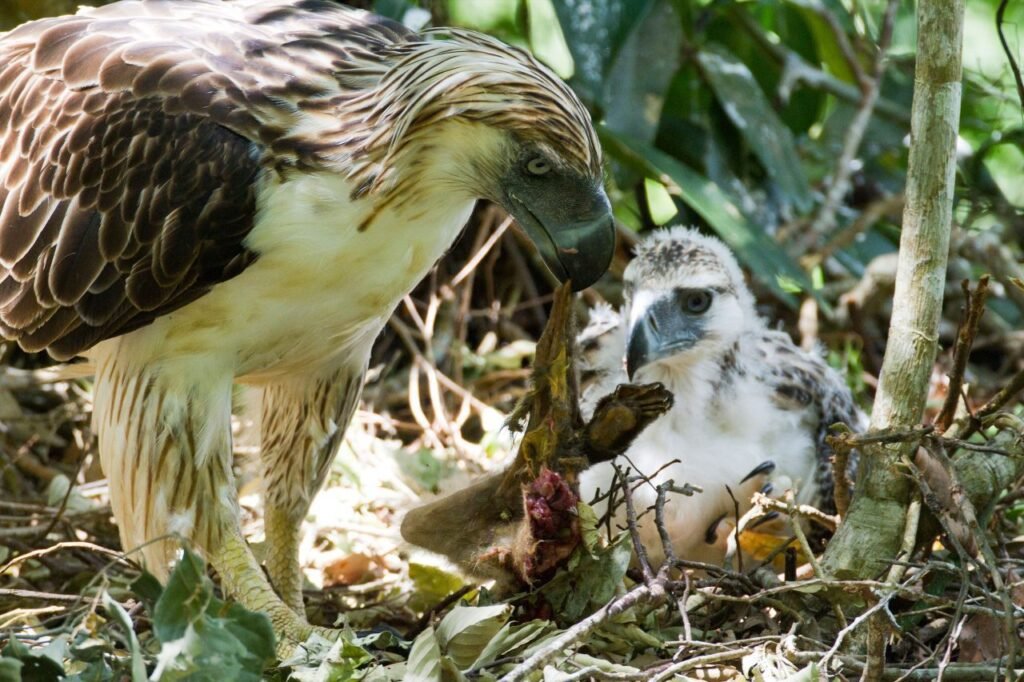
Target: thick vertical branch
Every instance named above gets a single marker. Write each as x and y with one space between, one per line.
871 533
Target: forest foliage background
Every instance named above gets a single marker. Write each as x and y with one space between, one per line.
781 126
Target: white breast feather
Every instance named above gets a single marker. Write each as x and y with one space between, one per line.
717 443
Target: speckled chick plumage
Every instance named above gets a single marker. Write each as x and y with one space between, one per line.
745 396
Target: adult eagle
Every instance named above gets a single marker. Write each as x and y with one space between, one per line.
751 411
197 192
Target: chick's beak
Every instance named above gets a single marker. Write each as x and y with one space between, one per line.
660 331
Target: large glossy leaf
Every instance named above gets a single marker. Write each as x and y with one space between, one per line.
829 52
634 92
465 631
750 111
767 260
424 664
594 31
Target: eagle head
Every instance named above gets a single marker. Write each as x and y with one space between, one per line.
464 112
685 300
564 211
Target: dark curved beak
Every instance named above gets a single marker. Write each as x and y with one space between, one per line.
662 330
575 245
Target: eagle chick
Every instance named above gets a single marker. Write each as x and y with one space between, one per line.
751 408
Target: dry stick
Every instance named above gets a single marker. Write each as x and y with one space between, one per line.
826 218
669 550
798 530
963 503
653 594
634 532
975 308
699 662
1009 53
826 521
479 255
946 522
59 546
841 485
965 426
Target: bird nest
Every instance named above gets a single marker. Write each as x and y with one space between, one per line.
71 602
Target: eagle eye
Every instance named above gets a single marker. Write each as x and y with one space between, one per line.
697 302
538 165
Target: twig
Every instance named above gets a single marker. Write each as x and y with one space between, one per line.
824 520
35 554
430 613
1000 11
974 303
652 594
699 662
44 596
964 428
870 86
482 252
963 503
634 532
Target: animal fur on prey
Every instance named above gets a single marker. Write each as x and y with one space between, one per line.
520 525
198 192
751 408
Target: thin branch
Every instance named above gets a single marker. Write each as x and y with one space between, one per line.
1009 53
974 302
652 594
826 218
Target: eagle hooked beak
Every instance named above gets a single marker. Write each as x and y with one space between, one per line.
575 236
662 329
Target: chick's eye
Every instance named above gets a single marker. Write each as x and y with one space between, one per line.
538 166
697 302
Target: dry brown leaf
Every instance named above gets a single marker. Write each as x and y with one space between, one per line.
350 569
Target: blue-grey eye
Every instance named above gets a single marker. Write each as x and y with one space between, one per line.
697 302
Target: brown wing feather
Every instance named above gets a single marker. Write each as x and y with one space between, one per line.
131 138
115 208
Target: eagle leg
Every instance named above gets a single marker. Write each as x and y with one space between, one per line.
242 577
302 422
165 445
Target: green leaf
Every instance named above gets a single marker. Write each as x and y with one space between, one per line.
634 90
431 585
184 600
589 531
148 589
753 247
829 51
424 664
10 670
32 666
594 30
338 661
591 583
510 639
138 667
465 631
205 638
749 110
